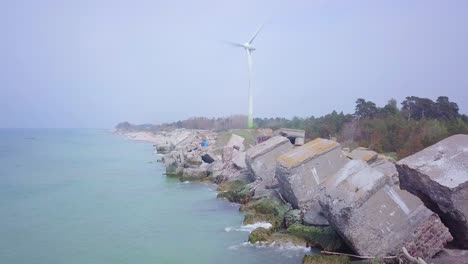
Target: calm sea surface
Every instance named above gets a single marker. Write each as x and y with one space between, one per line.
87 196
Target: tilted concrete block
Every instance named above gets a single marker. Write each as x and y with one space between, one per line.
439 176
375 217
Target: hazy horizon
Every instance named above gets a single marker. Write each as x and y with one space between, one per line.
98 63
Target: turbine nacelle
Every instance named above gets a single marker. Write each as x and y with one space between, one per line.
248 47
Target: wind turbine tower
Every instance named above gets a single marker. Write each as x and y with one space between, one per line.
249 49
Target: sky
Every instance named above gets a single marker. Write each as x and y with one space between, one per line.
94 63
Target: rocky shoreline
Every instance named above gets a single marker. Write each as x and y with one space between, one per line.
319 195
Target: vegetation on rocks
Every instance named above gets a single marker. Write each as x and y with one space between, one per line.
259 234
265 210
308 259
324 237
235 191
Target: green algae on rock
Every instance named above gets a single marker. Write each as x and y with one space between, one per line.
235 191
259 234
324 237
325 259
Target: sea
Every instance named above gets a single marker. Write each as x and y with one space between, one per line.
87 196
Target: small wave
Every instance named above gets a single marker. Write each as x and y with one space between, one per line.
249 228
185 182
273 245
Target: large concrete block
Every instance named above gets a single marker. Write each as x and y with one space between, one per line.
375 217
261 161
302 169
439 176
236 142
364 154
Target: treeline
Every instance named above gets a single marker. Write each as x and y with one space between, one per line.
418 123
402 131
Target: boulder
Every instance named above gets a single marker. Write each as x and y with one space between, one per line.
364 154
191 174
259 234
301 170
238 159
292 217
375 217
315 217
439 176
236 142
261 161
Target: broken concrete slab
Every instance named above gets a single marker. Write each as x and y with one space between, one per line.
191 174
377 218
236 142
301 170
364 154
296 136
298 141
261 161
439 176
238 159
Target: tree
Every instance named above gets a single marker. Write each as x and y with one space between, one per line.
365 109
445 109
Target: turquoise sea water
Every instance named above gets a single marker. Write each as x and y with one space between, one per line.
87 196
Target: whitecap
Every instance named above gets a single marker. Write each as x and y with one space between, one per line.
249 228
272 245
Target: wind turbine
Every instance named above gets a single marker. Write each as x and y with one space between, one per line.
249 49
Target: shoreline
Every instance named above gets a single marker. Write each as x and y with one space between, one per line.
261 176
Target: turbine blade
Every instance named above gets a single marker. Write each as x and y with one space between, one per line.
256 33
234 44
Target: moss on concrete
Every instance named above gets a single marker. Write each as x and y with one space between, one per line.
265 210
235 191
320 259
324 237
259 234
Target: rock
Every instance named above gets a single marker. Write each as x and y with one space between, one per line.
259 234
292 217
296 136
315 217
236 142
299 141
261 161
192 160
324 237
265 210
302 169
235 191
238 159
173 163
439 176
318 259
450 256
375 217
364 154
164 148
191 174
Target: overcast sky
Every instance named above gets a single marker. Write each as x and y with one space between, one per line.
93 63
